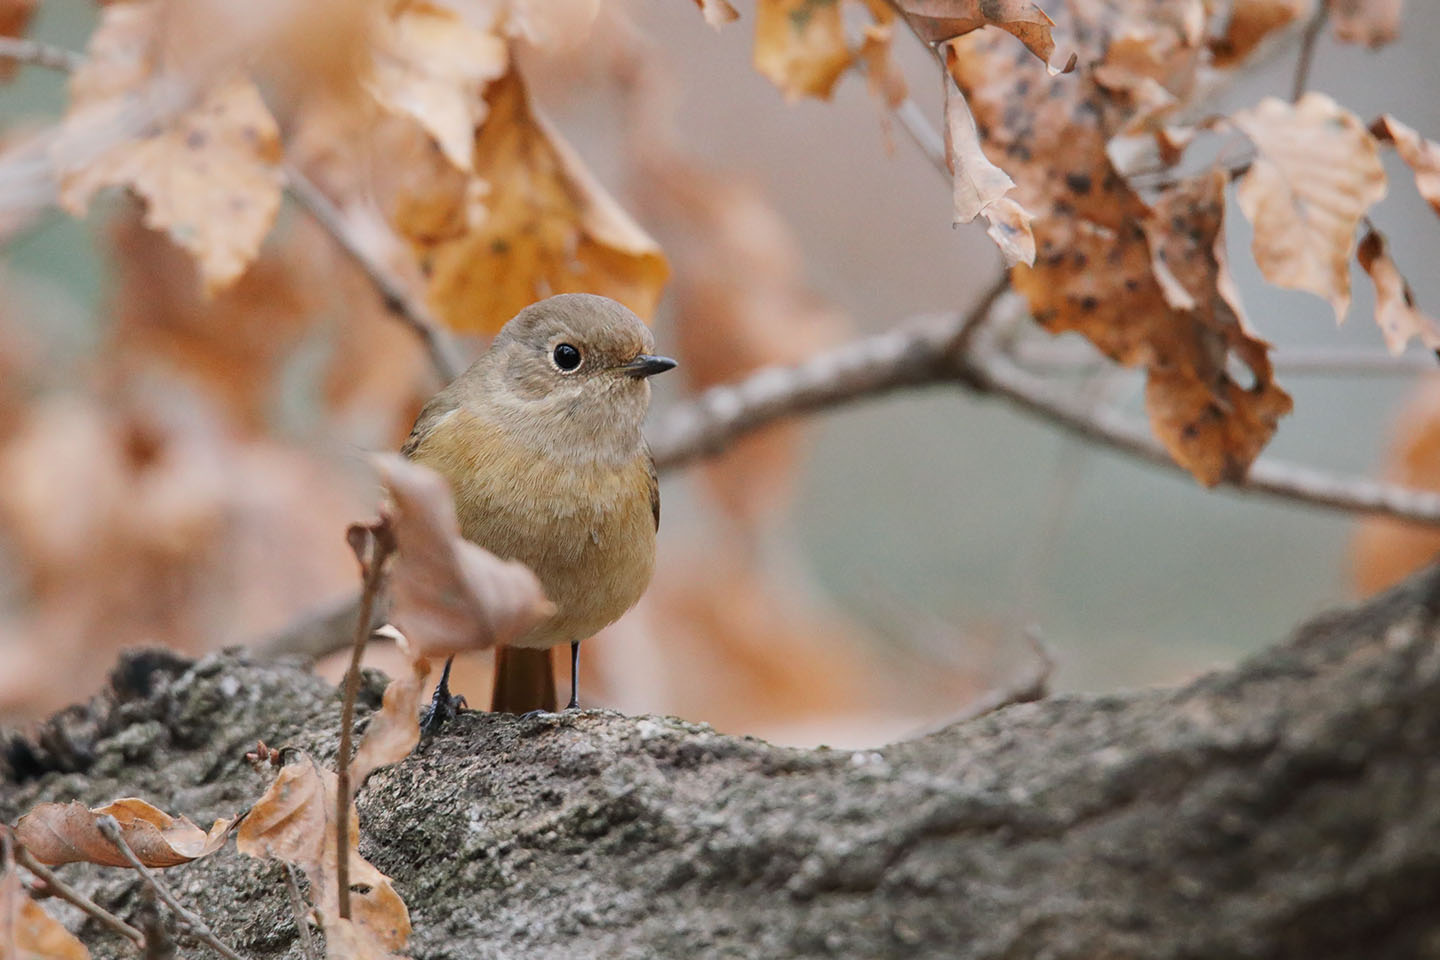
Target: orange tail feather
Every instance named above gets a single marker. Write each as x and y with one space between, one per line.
524 681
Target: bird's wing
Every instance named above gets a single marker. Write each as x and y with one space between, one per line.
439 406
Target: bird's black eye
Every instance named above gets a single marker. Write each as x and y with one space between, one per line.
567 358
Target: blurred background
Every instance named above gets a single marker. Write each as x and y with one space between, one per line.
178 470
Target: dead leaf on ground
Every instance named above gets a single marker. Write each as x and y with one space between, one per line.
346 940
1370 23
1250 23
800 46
27 932
449 594
57 833
210 177
1420 155
1095 269
533 222
295 822
1316 174
1395 310
395 728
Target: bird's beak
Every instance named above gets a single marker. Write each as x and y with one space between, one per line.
647 365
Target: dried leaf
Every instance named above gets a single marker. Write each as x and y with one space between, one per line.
56 833
449 594
941 20
800 46
433 66
1372 23
1386 551
395 728
882 76
552 25
1419 154
1095 271
210 177
534 223
14 18
27 932
717 13
346 940
295 822
1395 309
1317 173
1251 22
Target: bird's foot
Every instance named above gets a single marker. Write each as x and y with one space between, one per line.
443 706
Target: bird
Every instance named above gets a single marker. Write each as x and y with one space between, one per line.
541 442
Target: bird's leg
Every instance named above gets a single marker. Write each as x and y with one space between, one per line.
574 703
443 706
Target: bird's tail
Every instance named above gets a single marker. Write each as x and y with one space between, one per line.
524 680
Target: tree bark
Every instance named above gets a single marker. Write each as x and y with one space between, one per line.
1288 807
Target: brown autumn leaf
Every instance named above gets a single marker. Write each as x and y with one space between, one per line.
941 20
1371 23
449 594
56 833
1395 310
1250 23
979 187
27 932
347 940
1095 268
800 46
210 177
1420 155
14 18
1316 174
1386 551
295 822
433 65
395 728
717 13
533 222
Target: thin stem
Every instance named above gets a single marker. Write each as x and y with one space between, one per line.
297 907
110 827
33 53
75 898
444 356
1308 42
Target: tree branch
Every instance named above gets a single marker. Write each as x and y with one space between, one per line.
33 53
62 890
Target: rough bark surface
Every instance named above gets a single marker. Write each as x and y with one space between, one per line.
1289 807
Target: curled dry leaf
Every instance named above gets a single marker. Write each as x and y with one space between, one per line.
800 46
295 822
1095 269
56 833
1420 155
940 20
717 13
433 66
531 223
1371 23
1250 23
1316 174
1395 309
27 932
395 728
449 594
209 177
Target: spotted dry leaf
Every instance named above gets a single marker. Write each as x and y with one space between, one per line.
57 833
209 177
27 932
1095 269
433 66
1371 23
1316 173
1250 23
800 46
295 822
532 222
1395 310
1420 155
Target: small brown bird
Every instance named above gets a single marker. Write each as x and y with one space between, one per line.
541 442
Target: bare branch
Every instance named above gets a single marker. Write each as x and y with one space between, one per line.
1049 356
33 53
1306 59
59 888
111 828
444 356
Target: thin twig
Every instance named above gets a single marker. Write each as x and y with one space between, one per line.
1052 357
75 898
110 827
1306 59
297 906
377 545
33 53
444 356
